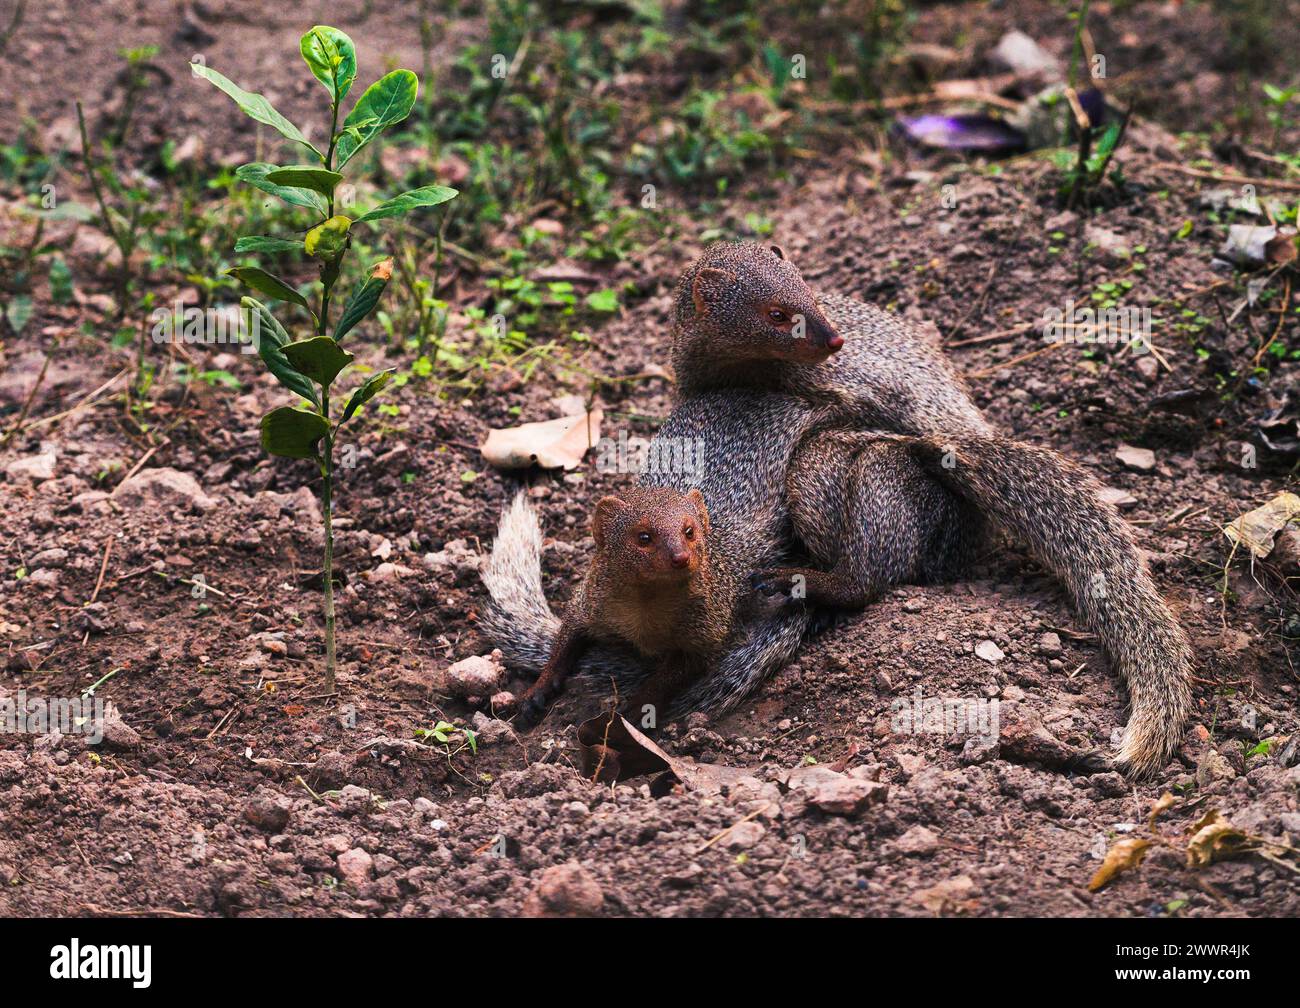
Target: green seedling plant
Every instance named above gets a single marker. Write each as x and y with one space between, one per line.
309 366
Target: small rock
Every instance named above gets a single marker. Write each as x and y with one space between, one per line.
1109 242
744 835
1018 52
1147 367
268 811
948 895
835 793
1139 459
1291 823
988 651
117 733
390 572
34 467
490 729
165 488
914 605
479 675
1116 497
1049 645
356 867
566 890
1213 767
918 842
685 878
49 558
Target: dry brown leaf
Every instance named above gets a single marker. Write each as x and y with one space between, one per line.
550 444
1255 529
1214 839
1160 805
1123 855
614 750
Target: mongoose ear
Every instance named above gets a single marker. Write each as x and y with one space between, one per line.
709 286
701 507
777 251
606 508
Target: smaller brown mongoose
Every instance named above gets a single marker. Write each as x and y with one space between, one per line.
653 583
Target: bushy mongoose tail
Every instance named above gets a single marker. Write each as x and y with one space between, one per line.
890 379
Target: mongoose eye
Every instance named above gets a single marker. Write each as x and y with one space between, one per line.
689 531
644 538
777 315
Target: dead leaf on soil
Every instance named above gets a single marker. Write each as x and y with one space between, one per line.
1215 839
612 750
1122 856
550 444
1256 529
1162 804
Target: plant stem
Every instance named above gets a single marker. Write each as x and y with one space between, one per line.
327 509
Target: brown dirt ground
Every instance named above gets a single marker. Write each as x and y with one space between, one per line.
224 697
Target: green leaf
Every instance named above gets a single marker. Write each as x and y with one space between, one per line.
320 180
603 300
272 286
291 432
425 196
319 358
364 298
60 281
332 59
261 243
18 312
269 336
255 175
328 240
365 392
255 106
387 101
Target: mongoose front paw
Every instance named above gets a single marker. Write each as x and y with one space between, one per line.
533 706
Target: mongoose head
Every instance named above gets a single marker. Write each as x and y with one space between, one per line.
652 535
750 302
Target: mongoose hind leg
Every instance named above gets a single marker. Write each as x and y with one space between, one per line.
864 507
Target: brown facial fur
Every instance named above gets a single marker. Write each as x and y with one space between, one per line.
652 535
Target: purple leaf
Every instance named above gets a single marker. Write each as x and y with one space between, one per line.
963 132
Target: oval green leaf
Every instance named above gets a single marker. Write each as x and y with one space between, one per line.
320 180
268 284
425 196
255 106
365 392
264 243
364 298
255 175
332 59
268 336
291 432
387 101
319 358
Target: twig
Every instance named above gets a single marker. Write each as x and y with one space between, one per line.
985 372
1230 179
146 912
757 812
27 404
89 400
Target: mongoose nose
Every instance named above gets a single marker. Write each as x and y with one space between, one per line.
834 341
681 559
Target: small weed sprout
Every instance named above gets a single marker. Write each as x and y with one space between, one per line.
308 367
